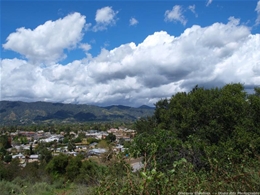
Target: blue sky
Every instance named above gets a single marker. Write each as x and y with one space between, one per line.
125 52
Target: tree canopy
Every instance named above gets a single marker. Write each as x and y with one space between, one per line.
193 124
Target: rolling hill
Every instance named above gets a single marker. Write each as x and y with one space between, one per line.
17 112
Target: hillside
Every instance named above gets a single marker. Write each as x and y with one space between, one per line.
17 112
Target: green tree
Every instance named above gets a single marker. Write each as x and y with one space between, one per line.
91 173
77 140
2 153
121 141
73 168
31 149
45 155
111 137
145 124
199 120
10 171
58 164
24 140
102 144
8 158
92 140
65 140
5 142
163 144
71 146
3 171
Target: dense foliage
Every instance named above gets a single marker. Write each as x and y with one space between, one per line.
207 140
202 120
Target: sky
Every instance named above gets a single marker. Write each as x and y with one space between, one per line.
125 52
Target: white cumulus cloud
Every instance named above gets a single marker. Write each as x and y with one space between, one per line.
136 74
105 17
46 42
176 15
85 46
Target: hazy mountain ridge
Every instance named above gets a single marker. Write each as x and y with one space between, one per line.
17 112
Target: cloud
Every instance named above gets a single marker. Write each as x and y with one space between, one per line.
176 15
192 9
133 21
87 26
46 42
85 46
257 9
209 2
136 74
105 17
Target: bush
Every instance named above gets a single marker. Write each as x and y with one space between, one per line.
8 188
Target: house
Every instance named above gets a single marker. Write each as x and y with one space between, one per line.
73 134
93 145
72 153
96 151
112 130
33 158
97 135
52 138
119 148
19 156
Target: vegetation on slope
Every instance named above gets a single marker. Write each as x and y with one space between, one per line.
45 112
207 140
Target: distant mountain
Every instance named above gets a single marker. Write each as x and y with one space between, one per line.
146 107
117 106
17 112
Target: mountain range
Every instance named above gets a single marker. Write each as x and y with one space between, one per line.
17 112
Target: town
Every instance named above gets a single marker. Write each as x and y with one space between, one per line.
25 145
